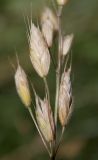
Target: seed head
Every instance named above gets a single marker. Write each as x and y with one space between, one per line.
22 86
62 2
39 53
65 98
67 42
49 25
45 118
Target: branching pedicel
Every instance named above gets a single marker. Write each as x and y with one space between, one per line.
40 41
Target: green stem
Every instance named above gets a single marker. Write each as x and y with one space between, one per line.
59 63
52 58
47 88
60 140
57 96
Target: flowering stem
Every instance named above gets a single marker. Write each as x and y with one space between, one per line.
59 62
32 116
54 6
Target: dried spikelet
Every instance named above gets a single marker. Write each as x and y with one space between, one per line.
49 24
39 53
49 14
47 30
67 42
65 98
22 86
45 119
62 2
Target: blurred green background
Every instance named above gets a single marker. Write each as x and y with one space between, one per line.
18 136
